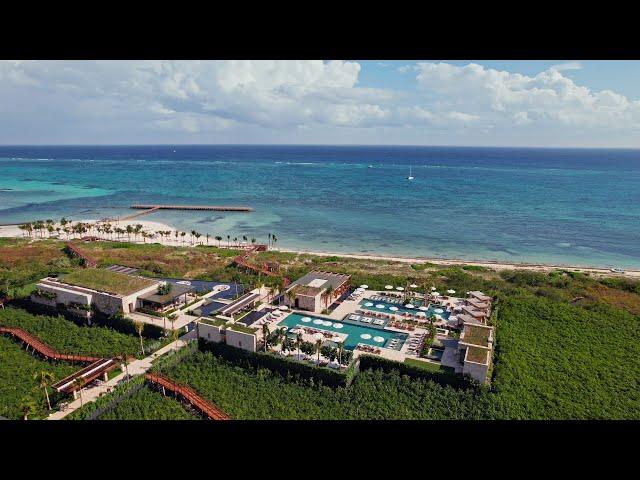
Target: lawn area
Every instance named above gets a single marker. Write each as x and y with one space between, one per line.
68 337
476 335
430 366
566 362
17 368
106 281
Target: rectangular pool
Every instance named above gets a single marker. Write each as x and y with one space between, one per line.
375 337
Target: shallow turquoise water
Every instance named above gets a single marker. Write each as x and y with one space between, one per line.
537 205
354 332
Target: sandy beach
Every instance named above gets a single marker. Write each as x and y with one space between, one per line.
186 240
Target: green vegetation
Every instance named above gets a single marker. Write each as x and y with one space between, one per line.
17 383
215 322
430 366
147 404
262 394
238 327
68 337
477 354
106 281
562 361
476 335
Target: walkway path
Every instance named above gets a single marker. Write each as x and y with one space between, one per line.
137 367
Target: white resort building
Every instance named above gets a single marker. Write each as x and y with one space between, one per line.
311 290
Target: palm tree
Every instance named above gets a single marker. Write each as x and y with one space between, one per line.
244 239
318 347
298 343
265 334
291 295
176 234
327 296
219 239
235 241
207 239
198 235
273 239
228 237
44 379
144 236
174 332
28 407
182 234
126 365
139 328
78 382
129 230
340 347
269 240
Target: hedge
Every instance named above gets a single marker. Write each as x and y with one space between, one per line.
371 362
282 366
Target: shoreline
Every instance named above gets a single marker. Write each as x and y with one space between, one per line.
170 240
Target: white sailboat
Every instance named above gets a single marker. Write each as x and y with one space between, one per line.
410 177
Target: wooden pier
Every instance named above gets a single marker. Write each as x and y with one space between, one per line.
218 208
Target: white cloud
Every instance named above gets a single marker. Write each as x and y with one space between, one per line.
200 101
547 98
567 66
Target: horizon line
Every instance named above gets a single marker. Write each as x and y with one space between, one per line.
529 147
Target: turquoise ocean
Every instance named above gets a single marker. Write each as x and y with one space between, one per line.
561 206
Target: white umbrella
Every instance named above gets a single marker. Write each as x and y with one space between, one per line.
389 287
364 286
439 317
421 314
379 305
413 285
368 304
393 309
318 336
423 308
305 319
317 321
284 308
336 339
435 294
433 289
438 310
451 291
400 289
365 336
359 289
337 325
378 339
409 305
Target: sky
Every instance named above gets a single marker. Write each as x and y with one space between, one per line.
432 102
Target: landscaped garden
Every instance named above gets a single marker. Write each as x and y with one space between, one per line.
147 404
106 281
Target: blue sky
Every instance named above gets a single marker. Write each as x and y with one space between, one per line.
432 102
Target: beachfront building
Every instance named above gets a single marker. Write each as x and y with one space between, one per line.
310 291
84 291
474 349
166 297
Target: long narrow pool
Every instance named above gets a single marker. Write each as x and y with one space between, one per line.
375 337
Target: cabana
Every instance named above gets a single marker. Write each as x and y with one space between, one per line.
165 301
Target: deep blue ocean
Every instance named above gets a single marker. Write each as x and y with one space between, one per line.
567 206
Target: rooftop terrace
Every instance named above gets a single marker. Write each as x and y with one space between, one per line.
477 355
476 335
106 281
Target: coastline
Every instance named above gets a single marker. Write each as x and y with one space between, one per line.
171 240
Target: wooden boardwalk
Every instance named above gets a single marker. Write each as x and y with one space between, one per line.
241 261
43 349
218 208
190 395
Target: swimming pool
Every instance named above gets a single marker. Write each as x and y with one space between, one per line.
372 305
354 332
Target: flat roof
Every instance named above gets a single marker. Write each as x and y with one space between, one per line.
239 304
476 334
106 281
334 279
477 355
308 291
176 291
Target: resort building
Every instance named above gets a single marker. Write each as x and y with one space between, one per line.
162 301
474 348
83 291
310 291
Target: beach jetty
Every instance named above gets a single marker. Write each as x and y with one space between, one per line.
217 208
